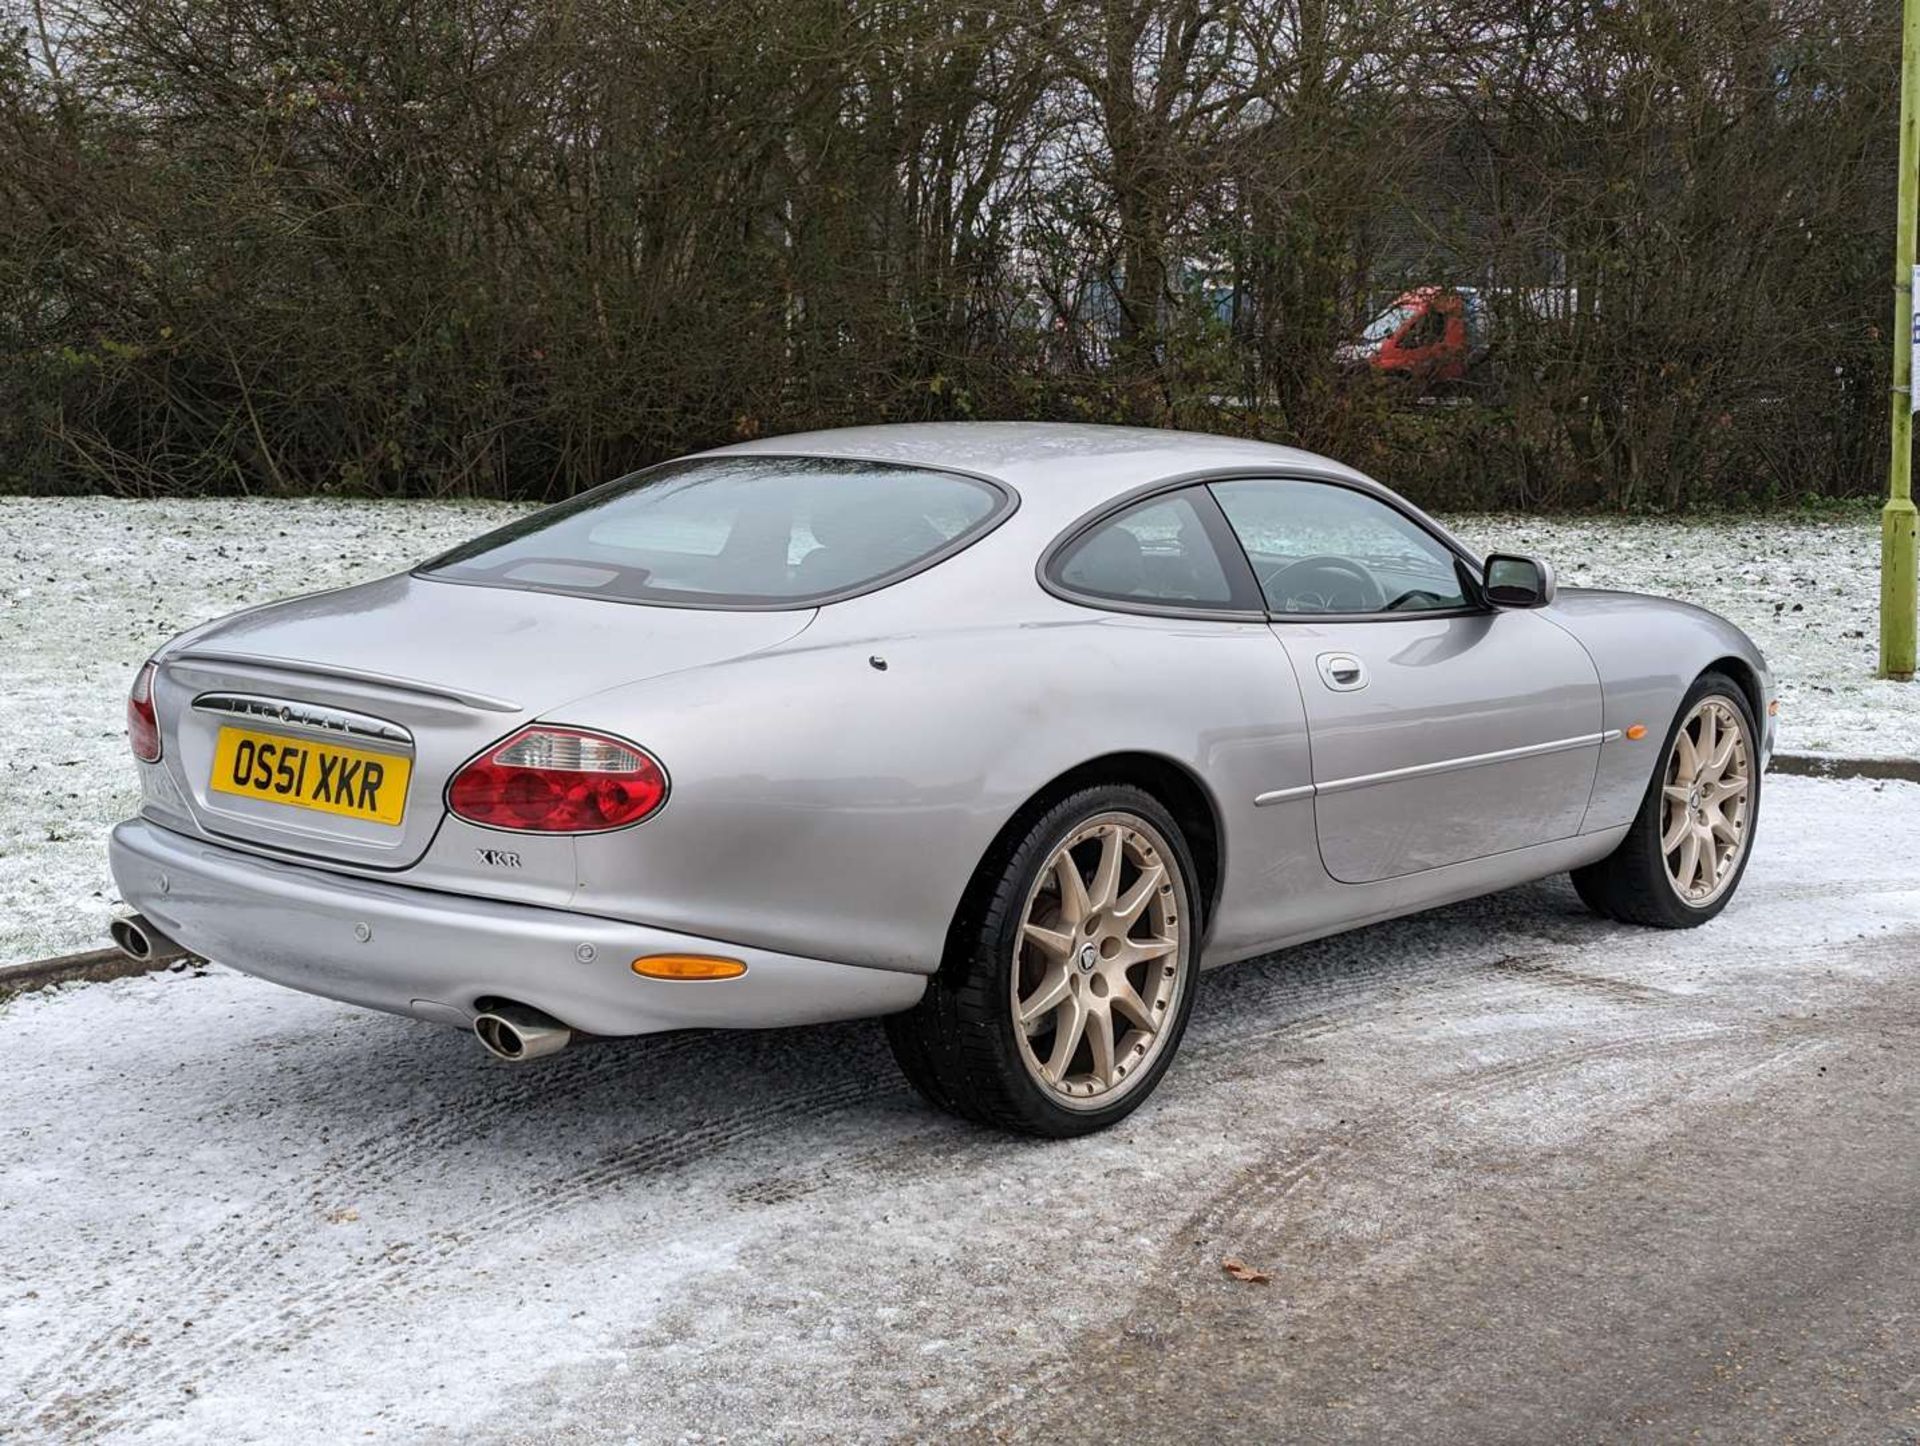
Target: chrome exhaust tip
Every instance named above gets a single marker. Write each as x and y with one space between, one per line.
136 936
515 1033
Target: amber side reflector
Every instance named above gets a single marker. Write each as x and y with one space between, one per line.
688 966
1637 732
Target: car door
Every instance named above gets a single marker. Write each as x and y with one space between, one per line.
1440 730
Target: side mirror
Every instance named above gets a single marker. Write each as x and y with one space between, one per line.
1516 581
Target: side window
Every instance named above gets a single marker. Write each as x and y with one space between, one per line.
1156 552
1320 548
1429 330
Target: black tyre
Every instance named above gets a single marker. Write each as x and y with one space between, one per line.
1069 974
1688 847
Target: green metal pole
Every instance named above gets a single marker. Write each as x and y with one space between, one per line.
1897 567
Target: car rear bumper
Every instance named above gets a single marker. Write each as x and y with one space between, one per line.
434 955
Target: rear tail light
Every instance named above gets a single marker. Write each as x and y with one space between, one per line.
558 780
143 728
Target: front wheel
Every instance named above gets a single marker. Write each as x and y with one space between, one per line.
1687 849
1069 972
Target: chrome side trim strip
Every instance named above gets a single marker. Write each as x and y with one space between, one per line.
310 717
1281 795
352 675
1444 765
1454 765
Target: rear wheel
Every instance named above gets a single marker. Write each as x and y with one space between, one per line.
1069 973
1687 849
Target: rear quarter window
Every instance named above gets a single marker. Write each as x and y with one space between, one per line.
1157 552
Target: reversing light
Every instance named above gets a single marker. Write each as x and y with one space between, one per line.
558 780
143 726
688 966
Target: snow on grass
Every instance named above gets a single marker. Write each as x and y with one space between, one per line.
1806 590
90 586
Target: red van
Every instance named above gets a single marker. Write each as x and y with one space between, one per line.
1430 334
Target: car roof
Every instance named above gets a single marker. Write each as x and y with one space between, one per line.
1070 465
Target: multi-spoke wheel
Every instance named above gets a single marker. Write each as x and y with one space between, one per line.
1704 796
1686 851
1098 972
1070 974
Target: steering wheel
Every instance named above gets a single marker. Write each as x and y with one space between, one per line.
1329 584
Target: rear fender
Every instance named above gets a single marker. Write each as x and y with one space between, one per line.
840 807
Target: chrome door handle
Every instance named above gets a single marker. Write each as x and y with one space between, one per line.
1342 672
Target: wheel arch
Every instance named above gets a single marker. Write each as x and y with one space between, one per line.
1173 784
1743 673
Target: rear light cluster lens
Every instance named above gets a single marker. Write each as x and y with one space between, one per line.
143 727
558 780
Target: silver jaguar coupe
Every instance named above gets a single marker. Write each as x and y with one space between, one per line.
1002 731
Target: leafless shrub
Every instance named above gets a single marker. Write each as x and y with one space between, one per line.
502 247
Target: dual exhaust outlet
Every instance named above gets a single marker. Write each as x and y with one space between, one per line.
515 1033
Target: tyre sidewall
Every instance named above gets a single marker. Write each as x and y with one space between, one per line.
1683 914
993 950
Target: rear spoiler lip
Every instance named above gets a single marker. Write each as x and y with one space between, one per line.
485 702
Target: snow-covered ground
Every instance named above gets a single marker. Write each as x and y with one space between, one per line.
238 1214
89 586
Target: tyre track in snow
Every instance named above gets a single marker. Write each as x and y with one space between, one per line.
120 1384
1662 1025
1252 1212
1255 1215
216 1266
1285 1217
1649 1031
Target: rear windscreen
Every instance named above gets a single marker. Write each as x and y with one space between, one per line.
735 532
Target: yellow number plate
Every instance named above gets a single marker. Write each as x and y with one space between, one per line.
305 774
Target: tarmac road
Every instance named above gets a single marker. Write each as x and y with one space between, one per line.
1516 1175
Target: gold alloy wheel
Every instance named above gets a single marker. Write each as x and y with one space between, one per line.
1098 968
1706 797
